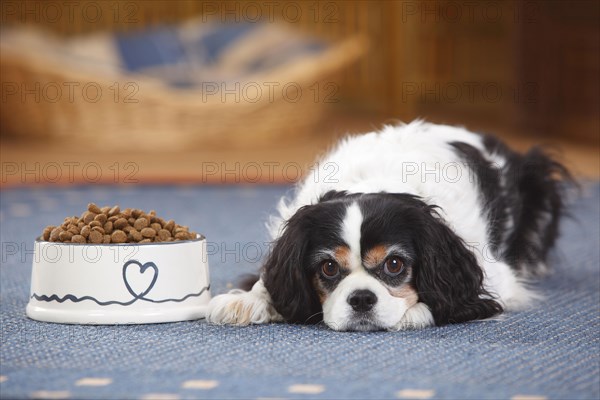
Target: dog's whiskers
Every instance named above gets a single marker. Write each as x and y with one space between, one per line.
314 315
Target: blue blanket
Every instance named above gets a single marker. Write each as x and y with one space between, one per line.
187 56
550 351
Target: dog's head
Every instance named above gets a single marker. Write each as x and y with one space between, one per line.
360 261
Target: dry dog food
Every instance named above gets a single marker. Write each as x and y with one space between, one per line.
113 225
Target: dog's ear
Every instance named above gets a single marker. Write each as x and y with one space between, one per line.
448 278
286 274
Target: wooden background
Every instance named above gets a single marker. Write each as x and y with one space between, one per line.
528 65
525 70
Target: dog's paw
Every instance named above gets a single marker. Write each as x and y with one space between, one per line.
242 308
416 317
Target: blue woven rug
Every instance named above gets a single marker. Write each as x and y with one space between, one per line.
551 351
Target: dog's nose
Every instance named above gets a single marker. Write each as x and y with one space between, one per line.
362 300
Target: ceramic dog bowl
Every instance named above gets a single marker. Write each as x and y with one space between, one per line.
119 283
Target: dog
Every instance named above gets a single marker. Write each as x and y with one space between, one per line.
413 226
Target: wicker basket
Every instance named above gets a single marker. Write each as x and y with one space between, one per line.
150 114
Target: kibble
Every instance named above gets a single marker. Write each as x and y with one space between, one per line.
140 223
94 208
85 231
65 236
164 234
135 235
78 239
94 223
101 218
169 225
182 235
46 233
111 225
120 223
148 232
118 236
96 237
54 234
88 217
108 227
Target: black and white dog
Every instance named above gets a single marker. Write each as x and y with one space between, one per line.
420 225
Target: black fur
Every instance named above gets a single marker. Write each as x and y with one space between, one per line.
488 179
447 277
523 201
446 274
287 276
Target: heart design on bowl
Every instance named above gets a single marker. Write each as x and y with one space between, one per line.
137 281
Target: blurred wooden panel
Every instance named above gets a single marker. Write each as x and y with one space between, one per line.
561 52
522 65
66 163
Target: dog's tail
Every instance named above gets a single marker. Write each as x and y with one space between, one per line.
541 184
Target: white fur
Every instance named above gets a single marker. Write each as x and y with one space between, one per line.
415 158
351 234
390 312
416 317
242 308
337 313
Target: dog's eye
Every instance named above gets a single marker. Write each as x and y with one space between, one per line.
393 266
330 269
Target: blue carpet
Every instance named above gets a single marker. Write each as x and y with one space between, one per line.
551 351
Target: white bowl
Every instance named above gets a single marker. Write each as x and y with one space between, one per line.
119 283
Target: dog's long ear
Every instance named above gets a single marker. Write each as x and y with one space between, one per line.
286 275
447 277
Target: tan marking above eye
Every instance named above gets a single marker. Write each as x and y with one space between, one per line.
375 256
342 256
